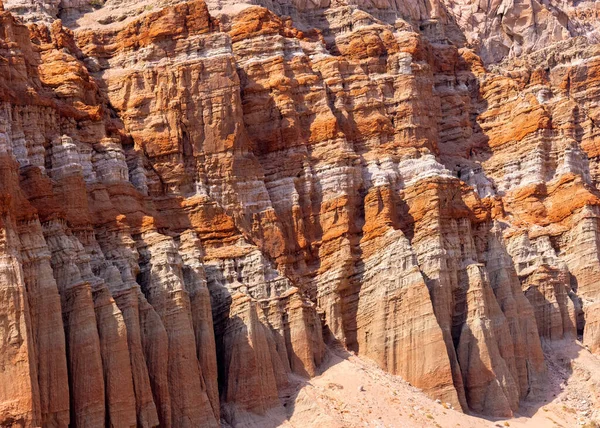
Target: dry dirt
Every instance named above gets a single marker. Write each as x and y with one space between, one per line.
352 392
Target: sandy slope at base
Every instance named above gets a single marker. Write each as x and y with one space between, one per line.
352 392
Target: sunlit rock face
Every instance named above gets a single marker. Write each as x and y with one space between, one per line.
196 199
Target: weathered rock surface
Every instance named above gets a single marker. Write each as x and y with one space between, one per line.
196 198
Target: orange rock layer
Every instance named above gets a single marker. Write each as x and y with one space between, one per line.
193 207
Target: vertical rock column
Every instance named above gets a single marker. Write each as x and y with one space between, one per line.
162 282
426 201
44 302
521 316
115 259
195 283
118 272
485 349
397 326
19 390
112 331
86 380
581 248
249 381
19 393
69 188
100 346
47 333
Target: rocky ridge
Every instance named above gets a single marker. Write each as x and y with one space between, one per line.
197 199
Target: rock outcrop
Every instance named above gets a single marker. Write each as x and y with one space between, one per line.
198 198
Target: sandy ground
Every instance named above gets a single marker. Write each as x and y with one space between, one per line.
352 392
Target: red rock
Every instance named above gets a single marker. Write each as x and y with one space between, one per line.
194 208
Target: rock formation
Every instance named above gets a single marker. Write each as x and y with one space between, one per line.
197 199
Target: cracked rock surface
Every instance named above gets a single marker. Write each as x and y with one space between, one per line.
199 200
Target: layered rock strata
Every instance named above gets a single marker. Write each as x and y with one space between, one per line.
196 199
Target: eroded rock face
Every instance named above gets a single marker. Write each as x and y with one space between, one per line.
198 198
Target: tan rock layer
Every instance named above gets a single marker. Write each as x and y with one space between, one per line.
192 207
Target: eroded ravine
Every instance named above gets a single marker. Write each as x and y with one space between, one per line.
197 200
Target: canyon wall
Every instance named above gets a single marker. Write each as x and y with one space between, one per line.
197 199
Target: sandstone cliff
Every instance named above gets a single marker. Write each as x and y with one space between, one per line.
197 199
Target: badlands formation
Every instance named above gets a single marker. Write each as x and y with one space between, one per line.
221 213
